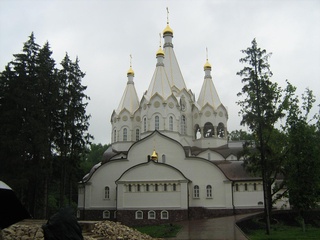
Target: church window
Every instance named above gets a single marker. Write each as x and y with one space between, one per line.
106 214
246 187
138 188
196 191
145 124
260 203
147 187
209 191
156 123
129 188
114 135
163 158
171 123
208 130
174 187
139 215
165 188
164 215
151 215
255 187
156 187
183 125
220 130
197 132
237 187
137 134
106 193
125 134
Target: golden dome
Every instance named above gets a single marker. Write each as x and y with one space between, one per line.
207 65
130 71
160 52
168 29
154 156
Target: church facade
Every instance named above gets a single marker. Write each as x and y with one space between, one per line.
169 158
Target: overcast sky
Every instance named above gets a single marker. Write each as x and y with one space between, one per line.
104 33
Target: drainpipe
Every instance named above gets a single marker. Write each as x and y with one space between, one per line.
233 207
84 199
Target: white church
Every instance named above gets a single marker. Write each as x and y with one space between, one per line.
169 158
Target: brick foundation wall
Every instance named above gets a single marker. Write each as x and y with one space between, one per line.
128 217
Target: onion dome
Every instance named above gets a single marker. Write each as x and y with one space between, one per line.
130 72
207 65
168 30
154 156
160 52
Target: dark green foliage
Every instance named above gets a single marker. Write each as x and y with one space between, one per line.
43 126
303 161
92 156
262 106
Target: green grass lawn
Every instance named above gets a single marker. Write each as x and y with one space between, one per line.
285 232
160 231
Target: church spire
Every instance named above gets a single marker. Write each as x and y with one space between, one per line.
170 61
208 93
159 83
129 100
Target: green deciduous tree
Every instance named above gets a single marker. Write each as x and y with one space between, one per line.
302 167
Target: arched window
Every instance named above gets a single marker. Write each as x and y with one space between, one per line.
209 191
208 130
163 158
183 125
156 187
107 193
151 215
125 134
171 123
106 214
255 187
138 188
164 215
114 135
237 187
165 187
197 132
137 134
145 124
129 188
246 187
156 123
147 187
220 130
196 191
139 215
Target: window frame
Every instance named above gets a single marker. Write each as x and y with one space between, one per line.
137 214
209 191
125 134
162 214
106 214
151 212
107 192
196 191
